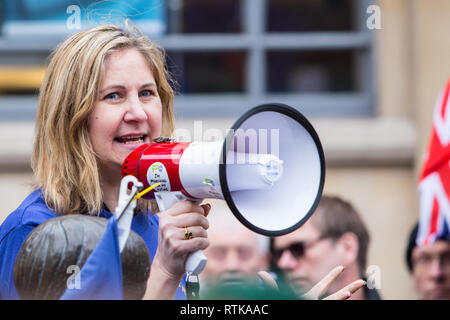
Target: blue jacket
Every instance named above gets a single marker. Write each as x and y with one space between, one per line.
32 212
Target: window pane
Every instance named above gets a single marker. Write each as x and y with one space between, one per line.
211 16
54 17
310 15
311 71
207 72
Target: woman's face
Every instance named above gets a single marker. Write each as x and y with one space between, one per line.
128 110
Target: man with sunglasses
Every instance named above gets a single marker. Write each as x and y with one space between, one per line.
334 235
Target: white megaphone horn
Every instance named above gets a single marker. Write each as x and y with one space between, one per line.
270 169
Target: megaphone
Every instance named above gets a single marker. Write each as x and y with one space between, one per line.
270 170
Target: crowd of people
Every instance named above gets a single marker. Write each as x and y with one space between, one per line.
107 91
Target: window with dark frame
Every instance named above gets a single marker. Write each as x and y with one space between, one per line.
315 55
312 54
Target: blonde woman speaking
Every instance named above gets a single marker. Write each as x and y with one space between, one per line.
105 93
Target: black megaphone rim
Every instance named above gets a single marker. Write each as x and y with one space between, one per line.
294 114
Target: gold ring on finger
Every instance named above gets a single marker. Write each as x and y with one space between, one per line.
187 234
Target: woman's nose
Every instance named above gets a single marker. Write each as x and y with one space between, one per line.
135 110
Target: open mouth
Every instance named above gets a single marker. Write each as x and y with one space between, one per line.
131 139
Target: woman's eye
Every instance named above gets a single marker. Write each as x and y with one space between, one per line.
147 93
112 96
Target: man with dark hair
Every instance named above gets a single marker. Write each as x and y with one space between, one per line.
430 267
334 235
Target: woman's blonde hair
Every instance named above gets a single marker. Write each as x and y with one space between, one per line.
63 159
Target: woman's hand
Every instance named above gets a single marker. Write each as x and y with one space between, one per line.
173 248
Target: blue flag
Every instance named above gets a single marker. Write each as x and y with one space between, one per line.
101 275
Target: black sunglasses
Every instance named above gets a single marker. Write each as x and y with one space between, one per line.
297 249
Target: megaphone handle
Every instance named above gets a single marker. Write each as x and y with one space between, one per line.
196 261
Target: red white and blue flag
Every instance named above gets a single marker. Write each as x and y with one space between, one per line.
434 182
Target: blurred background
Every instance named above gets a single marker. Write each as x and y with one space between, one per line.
368 88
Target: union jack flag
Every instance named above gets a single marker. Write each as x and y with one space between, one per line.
434 182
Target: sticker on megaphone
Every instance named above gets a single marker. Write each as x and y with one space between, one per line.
157 173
